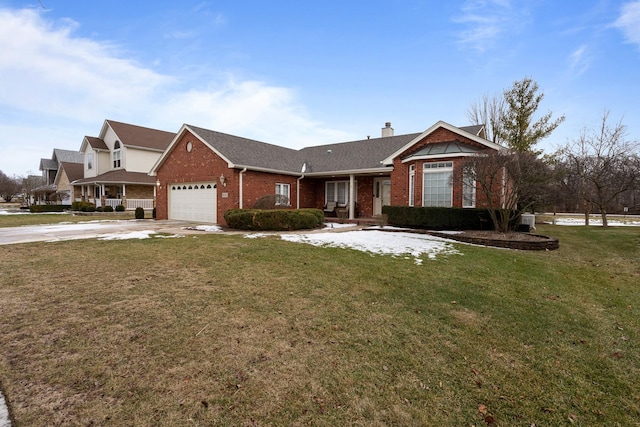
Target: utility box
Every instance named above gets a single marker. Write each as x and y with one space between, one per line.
528 219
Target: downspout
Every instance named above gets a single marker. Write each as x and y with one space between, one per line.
240 189
298 192
352 202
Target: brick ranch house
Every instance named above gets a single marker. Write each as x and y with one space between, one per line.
204 173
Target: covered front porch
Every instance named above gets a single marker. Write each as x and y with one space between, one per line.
353 197
129 189
131 196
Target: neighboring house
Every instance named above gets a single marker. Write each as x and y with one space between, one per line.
204 173
67 173
116 165
51 191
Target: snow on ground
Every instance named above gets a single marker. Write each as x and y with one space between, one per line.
4 413
379 242
596 222
143 234
208 228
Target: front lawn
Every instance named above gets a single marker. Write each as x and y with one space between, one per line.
17 220
222 330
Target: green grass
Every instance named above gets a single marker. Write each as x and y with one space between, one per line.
38 219
222 330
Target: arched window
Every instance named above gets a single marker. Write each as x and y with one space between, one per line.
117 155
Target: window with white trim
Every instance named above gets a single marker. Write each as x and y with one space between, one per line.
283 190
337 191
468 191
117 155
89 161
437 188
412 184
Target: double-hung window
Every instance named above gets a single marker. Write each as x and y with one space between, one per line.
89 161
437 189
338 192
283 191
468 191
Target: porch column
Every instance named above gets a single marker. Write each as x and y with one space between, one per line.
352 195
103 197
124 195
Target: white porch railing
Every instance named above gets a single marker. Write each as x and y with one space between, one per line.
113 202
146 204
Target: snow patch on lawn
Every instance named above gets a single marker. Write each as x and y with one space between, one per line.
380 243
207 228
595 222
4 413
144 234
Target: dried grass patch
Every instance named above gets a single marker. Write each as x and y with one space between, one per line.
221 330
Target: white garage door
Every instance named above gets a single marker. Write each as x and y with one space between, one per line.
193 201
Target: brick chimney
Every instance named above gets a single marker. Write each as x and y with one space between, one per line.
387 130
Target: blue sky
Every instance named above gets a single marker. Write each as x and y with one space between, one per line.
298 73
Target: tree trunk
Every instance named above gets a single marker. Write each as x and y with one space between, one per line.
604 218
587 212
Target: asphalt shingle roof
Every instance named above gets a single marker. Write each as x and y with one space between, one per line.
73 170
143 137
96 143
119 176
67 156
247 152
353 155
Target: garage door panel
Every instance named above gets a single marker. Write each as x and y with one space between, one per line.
193 201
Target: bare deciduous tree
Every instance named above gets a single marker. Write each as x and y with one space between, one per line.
488 111
9 187
601 165
510 182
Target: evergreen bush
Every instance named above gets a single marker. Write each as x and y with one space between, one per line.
274 219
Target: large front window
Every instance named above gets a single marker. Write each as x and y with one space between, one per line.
338 192
436 184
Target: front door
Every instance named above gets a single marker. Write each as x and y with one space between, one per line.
381 194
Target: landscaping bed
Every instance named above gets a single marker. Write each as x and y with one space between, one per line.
511 240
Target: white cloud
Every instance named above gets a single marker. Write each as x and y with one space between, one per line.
629 22
54 74
51 76
486 20
579 60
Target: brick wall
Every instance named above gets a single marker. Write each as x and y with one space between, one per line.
201 164
400 174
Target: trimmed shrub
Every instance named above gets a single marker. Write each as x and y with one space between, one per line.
432 218
272 201
99 209
108 208
45 208
153 213
120 208
274 219
139 213
81 206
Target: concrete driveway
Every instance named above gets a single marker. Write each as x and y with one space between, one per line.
87 230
